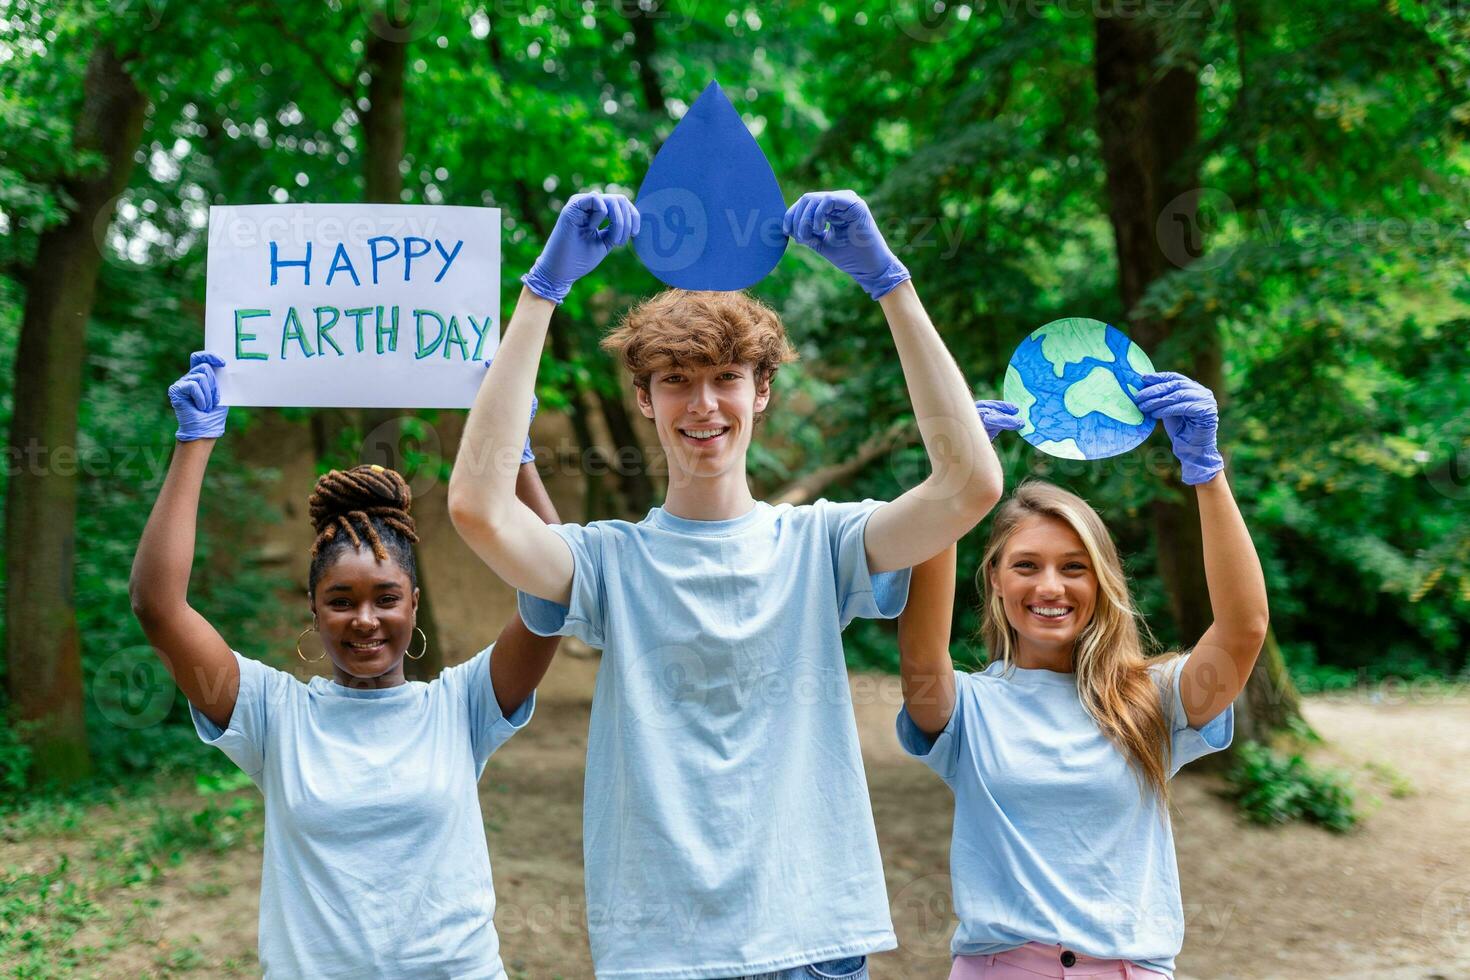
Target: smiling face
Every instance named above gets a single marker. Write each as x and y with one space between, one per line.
365 610
1048 587
704 416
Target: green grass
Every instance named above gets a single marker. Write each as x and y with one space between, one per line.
43 912
1399 786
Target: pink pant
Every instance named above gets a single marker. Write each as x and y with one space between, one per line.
1035 960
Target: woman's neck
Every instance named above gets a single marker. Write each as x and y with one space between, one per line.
1033 656
393 678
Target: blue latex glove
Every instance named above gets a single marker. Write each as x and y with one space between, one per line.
195 398
998 417
838 226
577 244
527 456
1191 418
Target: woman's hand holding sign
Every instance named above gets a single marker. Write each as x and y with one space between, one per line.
577 243
195 398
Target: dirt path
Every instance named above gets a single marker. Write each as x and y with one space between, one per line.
1391 900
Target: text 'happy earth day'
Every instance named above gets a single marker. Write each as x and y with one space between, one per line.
374 328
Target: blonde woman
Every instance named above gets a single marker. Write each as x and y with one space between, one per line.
1060 752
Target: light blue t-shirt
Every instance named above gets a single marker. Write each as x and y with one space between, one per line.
1053 842
726 825
375 859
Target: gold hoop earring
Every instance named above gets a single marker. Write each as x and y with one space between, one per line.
425 650
309 629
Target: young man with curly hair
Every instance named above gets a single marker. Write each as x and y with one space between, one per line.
727 826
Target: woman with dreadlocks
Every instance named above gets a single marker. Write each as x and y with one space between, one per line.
375 859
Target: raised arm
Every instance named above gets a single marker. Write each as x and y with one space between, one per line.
193 651
965 477
501 529
924 664
964 480
521 657
1224 657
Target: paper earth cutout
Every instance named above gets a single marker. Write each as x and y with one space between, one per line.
710 204
1068 379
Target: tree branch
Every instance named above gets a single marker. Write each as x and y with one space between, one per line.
347 89
811 486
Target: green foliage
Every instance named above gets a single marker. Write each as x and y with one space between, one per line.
1272 788
15 759
1332 149
126 433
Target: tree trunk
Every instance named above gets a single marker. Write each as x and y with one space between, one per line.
645 46
42 649
1270 703
630 465
1148 121
383 129
384 137
533 207
593 462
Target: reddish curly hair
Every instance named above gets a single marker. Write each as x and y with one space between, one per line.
705 328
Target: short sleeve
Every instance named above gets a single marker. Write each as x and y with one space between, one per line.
1187 743
584 617
489 727
263 691
860 593
939 752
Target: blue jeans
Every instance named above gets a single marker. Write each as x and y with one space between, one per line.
847 968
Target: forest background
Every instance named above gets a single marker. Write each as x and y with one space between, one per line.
1269 197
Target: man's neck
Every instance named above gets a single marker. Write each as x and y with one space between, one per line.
714 498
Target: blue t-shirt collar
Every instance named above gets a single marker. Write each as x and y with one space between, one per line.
329 687
1030 677
682 525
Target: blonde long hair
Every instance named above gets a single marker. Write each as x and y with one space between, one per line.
1113 679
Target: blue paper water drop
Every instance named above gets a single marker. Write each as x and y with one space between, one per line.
710 204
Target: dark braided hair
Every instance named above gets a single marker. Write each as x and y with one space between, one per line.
364 502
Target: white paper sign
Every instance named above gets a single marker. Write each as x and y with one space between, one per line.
353 305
